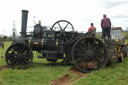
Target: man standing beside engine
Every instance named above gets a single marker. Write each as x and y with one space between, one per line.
92 29
106 27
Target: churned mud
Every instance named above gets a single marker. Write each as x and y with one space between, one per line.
1 56
4 67
79 74
64 80
72 75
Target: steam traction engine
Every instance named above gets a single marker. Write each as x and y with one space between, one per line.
85 51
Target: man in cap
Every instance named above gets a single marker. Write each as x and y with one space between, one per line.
106 27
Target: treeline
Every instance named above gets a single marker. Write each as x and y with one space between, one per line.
5 38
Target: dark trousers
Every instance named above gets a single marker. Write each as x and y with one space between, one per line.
106 32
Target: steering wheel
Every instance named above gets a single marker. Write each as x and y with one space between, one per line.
64 30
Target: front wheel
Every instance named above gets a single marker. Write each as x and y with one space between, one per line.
19 56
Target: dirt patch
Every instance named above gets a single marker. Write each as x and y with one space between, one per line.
1 56
3 67
72 75
64 80
79 74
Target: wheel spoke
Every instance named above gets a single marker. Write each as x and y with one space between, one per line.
21 61
76 49
88 44
92 44
60 26
14 60
10 58
12 50
98 51
23 48
19 50
9 55
98 58
66 26
85 45
97 54
78 59
83 49
79 54
26 61
17 61
95 48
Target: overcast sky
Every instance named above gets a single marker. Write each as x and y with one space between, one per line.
79 12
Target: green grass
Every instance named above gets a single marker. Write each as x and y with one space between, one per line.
38 74
43 72
2 52
115 74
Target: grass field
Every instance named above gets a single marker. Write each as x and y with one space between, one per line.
42 73
115 74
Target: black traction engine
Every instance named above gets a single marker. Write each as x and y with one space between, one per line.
60 41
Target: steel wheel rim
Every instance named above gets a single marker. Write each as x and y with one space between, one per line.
63 30
19 56
83 54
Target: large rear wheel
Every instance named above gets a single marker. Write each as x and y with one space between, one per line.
89 53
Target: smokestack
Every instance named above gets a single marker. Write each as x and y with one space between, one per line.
24 23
